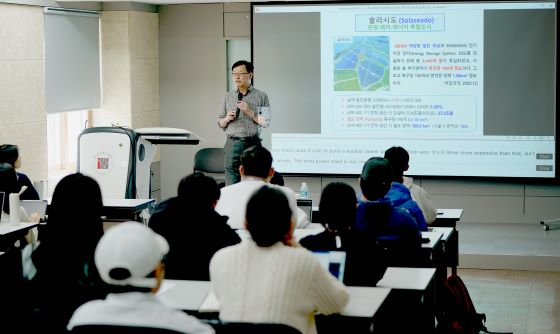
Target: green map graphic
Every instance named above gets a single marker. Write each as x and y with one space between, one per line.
362 64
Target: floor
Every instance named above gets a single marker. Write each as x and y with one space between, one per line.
522 302
508 246
512 272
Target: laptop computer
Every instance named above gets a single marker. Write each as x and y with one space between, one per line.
333 261
38 207
306 205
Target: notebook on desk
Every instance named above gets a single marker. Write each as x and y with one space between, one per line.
333 261
38 207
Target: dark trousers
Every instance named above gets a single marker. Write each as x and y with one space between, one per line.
232 150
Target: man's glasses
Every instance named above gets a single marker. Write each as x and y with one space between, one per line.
233 74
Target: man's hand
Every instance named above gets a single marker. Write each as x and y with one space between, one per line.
223 122
230 116
245 108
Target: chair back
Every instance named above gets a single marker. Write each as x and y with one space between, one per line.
252 328
210 161
116 329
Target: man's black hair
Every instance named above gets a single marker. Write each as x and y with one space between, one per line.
198 190
9 154
248 65
376 178
256 161
268 216
398 157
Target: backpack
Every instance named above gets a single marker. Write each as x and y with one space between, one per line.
458 314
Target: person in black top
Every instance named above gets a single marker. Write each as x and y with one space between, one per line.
10 154
365 262
66 275
193 229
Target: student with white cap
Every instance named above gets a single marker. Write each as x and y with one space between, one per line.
125 257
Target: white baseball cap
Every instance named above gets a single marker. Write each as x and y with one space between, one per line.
128 252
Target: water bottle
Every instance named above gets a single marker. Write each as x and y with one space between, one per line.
303 190
14 209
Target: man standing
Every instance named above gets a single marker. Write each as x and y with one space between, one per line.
244 111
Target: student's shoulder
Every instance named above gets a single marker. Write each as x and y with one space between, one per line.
286 190
401 215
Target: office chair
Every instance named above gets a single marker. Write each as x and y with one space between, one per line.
223 327
117 329
210 161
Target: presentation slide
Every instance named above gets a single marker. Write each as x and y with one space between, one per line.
468 89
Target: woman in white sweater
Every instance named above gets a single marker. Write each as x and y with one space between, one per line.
269 279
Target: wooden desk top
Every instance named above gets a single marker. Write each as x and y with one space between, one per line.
182 294
137 204
449 214
196 296
6 228
446 231
434 237
407 278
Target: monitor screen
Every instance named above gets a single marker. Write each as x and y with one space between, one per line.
332 261
467 88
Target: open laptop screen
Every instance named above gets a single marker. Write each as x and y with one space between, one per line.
306 205
38 207
333 261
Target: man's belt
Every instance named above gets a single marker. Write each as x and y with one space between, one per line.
249 138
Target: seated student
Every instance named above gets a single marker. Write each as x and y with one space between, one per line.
66 276
398 157
9 185
14 303
302 217
400 196
256 170
376 214
125 256
194 230
269 279
365 261
10 154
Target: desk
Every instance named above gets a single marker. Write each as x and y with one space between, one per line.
125 208
407 278
450 218
122 208
10 233
6 228
434 236
299 233
414 295
183 295
196 296
447 217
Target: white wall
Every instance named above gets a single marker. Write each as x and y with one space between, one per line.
23 119
192 82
